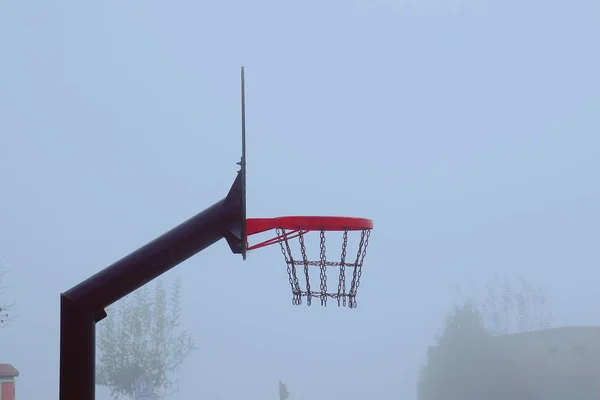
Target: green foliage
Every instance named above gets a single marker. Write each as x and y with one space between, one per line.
283 392
141 335
460 348
466 362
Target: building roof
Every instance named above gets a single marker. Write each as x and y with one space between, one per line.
563 331
8 371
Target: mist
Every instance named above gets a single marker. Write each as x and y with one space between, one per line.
466 130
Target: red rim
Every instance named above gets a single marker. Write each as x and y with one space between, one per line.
258 225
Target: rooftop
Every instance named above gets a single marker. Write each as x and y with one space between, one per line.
8 371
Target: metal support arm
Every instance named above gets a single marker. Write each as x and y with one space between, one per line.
84 305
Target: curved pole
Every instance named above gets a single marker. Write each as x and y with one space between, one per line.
83 305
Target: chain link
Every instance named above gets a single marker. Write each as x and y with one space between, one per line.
327 263
323 270
306 265
344 298
341 294
366 233
361 252
291 266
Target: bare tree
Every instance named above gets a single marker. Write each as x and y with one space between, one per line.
5 315
511 308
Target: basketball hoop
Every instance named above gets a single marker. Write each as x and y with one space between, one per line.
288 228
85 304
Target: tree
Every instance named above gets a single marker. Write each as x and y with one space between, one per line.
463 329
142 335
5 316
509 308
465 363
283 392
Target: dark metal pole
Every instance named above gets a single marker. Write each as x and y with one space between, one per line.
83 305
77 351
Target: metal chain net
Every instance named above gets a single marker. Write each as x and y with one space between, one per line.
345 297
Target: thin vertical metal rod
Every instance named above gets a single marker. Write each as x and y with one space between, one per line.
243 167
243 122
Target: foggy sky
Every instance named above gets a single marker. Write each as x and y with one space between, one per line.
467 130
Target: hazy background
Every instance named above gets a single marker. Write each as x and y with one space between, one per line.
467 130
